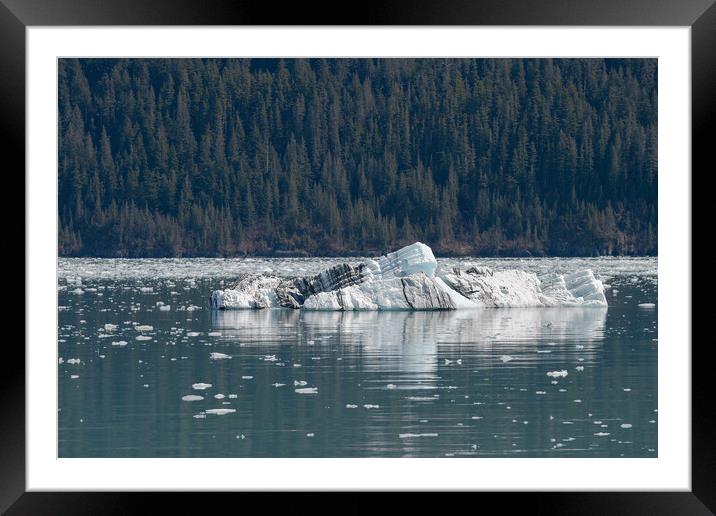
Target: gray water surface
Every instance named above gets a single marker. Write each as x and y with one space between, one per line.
341 384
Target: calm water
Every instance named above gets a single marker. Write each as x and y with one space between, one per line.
400 384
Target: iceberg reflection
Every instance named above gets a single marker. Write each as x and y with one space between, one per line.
410 342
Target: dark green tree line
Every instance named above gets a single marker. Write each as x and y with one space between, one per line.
218 157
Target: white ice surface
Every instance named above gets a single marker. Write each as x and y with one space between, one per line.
411 279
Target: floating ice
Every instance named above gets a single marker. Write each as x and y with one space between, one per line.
200 386
192 397
143 337
119 343
407 436
307 390
506 358
646 305
218 356
110 327
410 279
144 327
557 374
220 411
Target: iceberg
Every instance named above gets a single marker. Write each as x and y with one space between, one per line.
410 279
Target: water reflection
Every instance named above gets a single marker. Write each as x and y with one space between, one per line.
409 342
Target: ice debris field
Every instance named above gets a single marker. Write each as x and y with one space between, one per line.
411 279
142 361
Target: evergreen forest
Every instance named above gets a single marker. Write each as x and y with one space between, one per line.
352 157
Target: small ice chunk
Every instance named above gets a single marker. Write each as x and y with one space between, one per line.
247 377
391 386
218 356
219 396
557 374
110 327
625 425
506 358
144 327
214 334
220 411
351 406
200 386
646 305
370 406
143 337
278 384
192 397
407 436
119 343
307 390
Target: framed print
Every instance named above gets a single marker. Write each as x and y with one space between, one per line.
446 251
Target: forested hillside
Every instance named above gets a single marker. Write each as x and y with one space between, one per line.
219 157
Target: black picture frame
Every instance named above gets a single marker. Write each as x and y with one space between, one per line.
17 15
